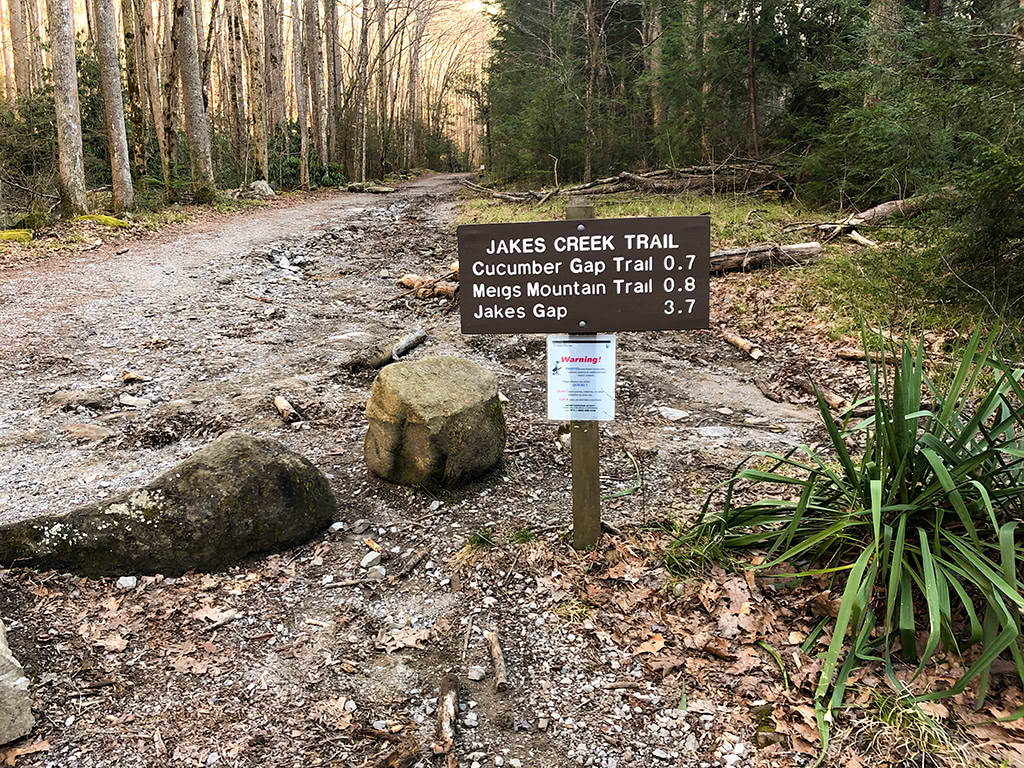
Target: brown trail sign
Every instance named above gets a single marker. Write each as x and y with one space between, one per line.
583 276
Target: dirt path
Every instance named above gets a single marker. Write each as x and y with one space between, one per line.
216 320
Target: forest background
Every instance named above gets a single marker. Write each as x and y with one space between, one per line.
849 102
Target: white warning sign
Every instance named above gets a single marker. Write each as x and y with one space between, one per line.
581 377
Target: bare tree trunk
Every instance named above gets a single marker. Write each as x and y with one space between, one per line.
169 100
334 80
236 84
274 73
257 102
415 109
133 63
315 75
751 81
147 46
35 37
593 41
197 125
113 104
298 59
653 60
22 56
363 86
6 59
69 121
382 84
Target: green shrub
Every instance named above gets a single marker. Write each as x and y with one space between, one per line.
922 524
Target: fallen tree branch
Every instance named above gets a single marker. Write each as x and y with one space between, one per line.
497 658
734 259
447 711
742 344
835 401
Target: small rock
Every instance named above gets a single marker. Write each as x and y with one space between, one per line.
661 754
499 761
515 762
376 572
127 582
731 760
94 399
370 559
471 720
360 526
327 579
212 758
134 402
15 703
477 673
350 705
335 527
673 414
690 745
542 724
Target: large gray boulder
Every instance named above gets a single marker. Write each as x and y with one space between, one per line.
237 496
435 421
15 705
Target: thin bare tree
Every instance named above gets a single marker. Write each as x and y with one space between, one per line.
197 126
70 158
113 104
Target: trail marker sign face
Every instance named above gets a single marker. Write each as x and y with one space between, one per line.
585 276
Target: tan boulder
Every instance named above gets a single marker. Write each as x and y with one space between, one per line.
436 421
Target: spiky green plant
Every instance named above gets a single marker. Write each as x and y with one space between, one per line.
922 524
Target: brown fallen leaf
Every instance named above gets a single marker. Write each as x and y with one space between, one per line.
114 643
403 638
654 644
796 638
11 755
718 646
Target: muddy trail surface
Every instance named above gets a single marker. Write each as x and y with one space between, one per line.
274 663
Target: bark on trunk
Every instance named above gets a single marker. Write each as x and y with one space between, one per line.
19 42
256 91
301 91
274 70
113 105
236 84
334 82
147 47
315 75
69 121
197 126
362 78
133 64
6 58
35 39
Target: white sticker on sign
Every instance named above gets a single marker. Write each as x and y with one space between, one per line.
581 377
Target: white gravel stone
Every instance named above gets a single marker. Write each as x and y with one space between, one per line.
127 582
477 673
377 572
370 559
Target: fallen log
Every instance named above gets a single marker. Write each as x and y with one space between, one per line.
497 658
742 344
734 259
395 351
880 213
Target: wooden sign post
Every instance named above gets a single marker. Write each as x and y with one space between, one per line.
585 277
586 449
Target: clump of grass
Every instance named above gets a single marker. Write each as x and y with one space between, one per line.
896 731
523 536
573 610
481 539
